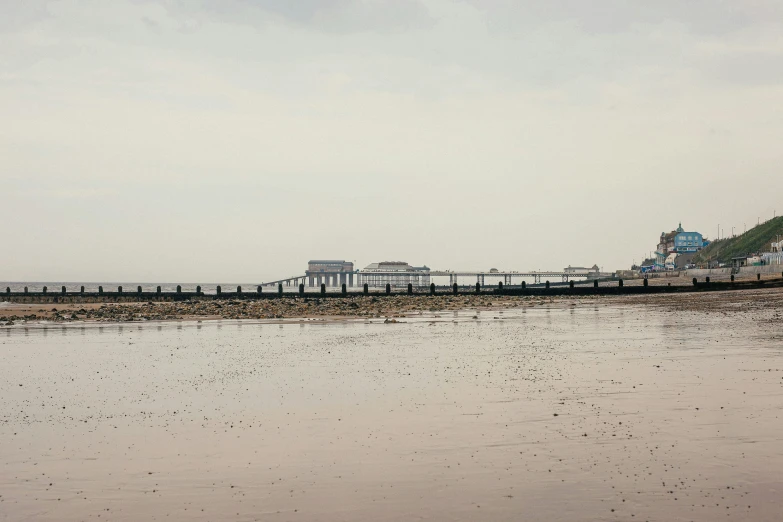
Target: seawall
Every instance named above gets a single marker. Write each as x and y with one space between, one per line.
707 272
766 269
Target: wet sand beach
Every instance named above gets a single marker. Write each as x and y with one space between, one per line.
653 408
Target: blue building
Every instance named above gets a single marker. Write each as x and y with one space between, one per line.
685 242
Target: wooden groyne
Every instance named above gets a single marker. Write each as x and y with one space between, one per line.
121 295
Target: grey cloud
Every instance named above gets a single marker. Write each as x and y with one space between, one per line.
711 17
151 24
302 11
21 13
559 42
746 69
342 16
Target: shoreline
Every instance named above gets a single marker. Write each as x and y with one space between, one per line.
373 308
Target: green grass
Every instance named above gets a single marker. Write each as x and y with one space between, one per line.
757 239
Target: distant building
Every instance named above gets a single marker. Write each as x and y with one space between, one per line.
581 270
775 255
677 242
747 260
394 273
738 262
772 258
688 242
665 244
329 272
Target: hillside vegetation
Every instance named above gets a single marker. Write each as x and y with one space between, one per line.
757 239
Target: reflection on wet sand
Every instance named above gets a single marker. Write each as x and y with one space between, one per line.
579 412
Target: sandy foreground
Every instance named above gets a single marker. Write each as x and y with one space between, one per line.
658 408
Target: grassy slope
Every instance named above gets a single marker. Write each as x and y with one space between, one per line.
757 239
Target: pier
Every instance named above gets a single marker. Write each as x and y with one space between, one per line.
509 277
334 273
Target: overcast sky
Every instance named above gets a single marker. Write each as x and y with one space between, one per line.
233 140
